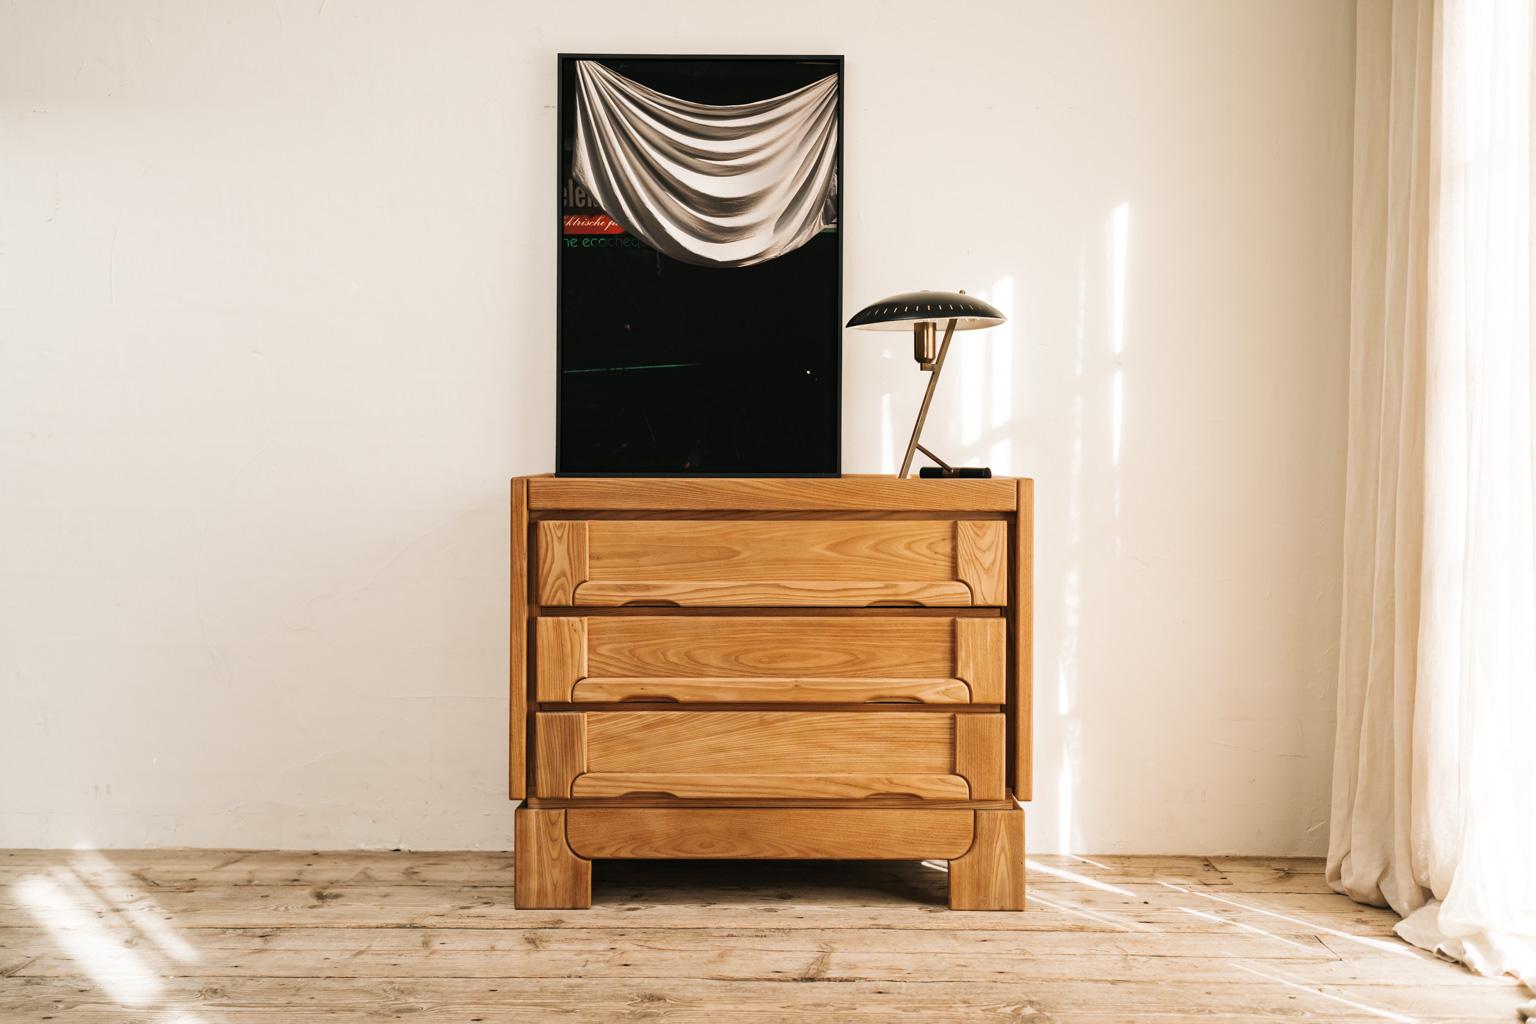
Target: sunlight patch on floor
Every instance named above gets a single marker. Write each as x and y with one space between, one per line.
96 871
1217 919
1313 990
1399 948
76 929
1066 908
98 917
1072 876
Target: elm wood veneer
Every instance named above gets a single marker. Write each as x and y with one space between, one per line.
851 493
990 876
1021 645
932 786
813 754
548 875
791 833
773 669
520 723
801 659
937 562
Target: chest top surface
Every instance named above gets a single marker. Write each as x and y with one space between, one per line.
768 494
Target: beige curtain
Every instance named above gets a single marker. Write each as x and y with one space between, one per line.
1434 801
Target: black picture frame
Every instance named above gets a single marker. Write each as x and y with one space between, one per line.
834 469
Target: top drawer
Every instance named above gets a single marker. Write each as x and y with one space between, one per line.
858 563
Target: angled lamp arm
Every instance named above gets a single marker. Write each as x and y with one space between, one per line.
922 413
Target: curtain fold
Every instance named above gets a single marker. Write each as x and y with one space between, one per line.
715 185
1434 791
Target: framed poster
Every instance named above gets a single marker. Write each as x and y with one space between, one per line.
700 266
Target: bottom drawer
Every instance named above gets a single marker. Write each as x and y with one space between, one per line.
798 833
752 754
556 847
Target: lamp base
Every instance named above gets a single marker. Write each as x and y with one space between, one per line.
947 472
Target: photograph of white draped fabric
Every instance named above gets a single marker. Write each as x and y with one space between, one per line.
714 184
700 266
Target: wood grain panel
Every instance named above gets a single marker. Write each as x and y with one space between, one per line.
1022 627
759 659
560 748
981 655
772 690
770 742
981 560
642 800
562 660
889 551
990 876
981 754
801 594
789 646
517 657
770 833
818 787
847 493
563 560
547 875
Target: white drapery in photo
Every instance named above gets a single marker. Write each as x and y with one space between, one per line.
713 185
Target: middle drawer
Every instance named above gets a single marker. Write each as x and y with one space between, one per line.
816 754
771 659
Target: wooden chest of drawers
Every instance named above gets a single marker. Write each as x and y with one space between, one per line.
771 668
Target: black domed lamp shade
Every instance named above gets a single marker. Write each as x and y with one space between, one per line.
922 312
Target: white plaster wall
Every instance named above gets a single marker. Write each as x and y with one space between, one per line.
276 300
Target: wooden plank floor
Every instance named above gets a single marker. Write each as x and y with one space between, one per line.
203 937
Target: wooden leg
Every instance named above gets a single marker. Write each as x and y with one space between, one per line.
548 876
991 874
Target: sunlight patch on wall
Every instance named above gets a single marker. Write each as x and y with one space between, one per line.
1067 667
1119 234
1000 342
1119 249
888 463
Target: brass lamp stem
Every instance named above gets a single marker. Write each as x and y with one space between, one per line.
924 343
922 413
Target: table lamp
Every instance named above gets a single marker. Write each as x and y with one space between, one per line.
923 312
